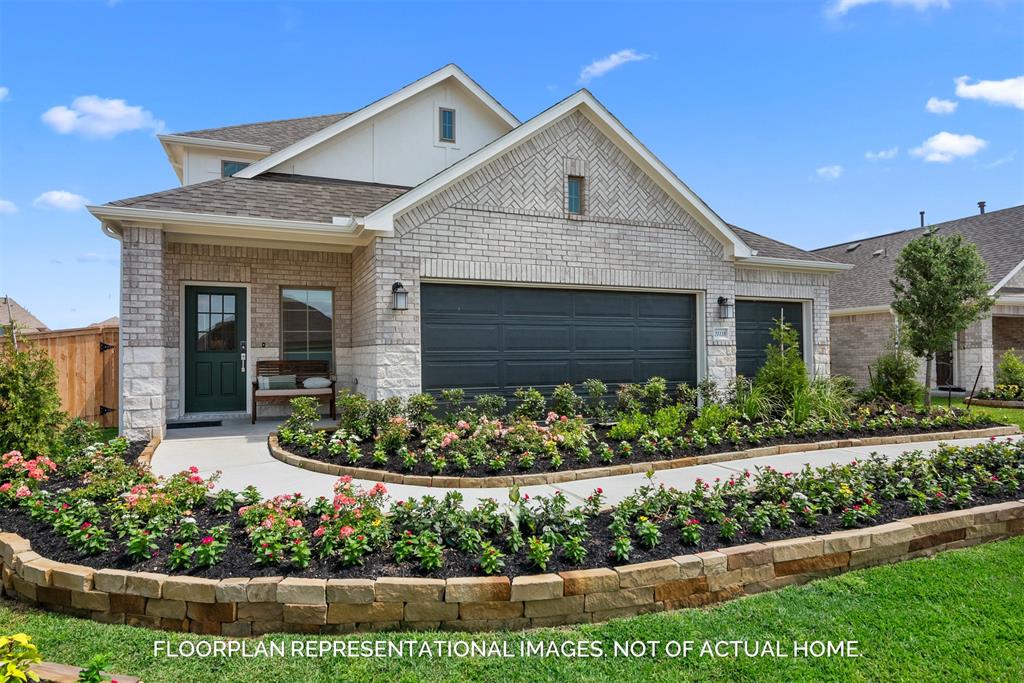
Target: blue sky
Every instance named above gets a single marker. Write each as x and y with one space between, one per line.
767 110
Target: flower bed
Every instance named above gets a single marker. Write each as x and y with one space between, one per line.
517 448
1002 396
162 552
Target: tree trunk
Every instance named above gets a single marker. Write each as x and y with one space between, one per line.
928 381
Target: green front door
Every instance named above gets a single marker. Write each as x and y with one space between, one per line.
214 349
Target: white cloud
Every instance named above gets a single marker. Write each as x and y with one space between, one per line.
882 155
937 106
841 7
1009 91
61 200
99 117
5 92
830 172
1001 161
7 206
599 67
944 147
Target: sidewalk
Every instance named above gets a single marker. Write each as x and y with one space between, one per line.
243 459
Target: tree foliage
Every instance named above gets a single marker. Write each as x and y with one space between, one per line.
940 288
30 413
783 374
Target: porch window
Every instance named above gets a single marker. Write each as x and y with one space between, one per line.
307 324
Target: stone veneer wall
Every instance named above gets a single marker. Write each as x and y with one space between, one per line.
1007 333
508 223
245 607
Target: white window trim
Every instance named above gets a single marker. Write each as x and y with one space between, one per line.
438 142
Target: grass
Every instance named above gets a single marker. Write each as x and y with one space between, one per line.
958 616
1004 415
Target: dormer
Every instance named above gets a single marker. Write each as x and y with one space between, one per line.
401 139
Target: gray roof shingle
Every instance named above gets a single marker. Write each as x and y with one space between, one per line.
999 236
766 246
272 195
275 134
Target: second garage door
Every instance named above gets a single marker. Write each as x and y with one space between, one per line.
754 323
496 339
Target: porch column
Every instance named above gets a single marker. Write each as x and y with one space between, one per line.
975 351
143 370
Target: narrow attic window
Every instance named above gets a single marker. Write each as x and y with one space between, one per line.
230 168
574 195
852 247
446 125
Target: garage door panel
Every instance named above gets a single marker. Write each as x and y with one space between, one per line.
460 336
523 301
543 337
754 323
600 305
535 373
604 337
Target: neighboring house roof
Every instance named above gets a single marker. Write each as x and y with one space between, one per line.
999 236
273 134
112 321
766 246
13 312
271 195
355 118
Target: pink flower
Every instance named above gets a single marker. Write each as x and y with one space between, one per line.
193 469
5 487
378 489
23 492
85 525
345 531
207 540
195 479
294 523
319 532
599 490
564 418
462 424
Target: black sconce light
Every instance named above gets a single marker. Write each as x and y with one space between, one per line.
726 309
399 297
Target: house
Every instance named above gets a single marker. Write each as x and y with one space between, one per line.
433 240
862 321
14 314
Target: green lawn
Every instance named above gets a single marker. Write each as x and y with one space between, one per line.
956 617
1004 415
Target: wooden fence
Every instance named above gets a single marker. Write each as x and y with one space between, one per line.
87 368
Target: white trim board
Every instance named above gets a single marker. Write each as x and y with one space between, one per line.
383 219
444 73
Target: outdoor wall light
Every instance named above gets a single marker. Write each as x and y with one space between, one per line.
399 297
726 309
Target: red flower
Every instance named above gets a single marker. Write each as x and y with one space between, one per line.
86 525
207 540
600 490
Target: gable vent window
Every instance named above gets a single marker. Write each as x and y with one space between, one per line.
575 195
230 168
446 125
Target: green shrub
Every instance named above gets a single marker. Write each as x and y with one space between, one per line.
564 401
671 420
783 373
454 403
420 409
354 409
707 391
895 376
491 405
530 404
714 416
654 394
595 406
630 427
76 436
380 412
1011 369
629 398
686 395
305 413
30 414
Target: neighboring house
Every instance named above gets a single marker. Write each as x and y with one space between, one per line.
13 313
112 321
530 254
862 322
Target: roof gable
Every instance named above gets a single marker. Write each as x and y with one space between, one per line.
274 135
323 135
585 103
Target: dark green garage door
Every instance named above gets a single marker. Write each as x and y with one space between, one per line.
497 339
754 323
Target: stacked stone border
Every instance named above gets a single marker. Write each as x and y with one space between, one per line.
996 403
146 456
254 606
614 470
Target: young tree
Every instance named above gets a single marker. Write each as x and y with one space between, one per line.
940 289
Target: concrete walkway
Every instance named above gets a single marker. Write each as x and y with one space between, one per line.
240 452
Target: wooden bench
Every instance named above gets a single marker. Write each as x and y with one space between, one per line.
303 370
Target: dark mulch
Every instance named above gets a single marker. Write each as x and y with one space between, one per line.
542 465
239 562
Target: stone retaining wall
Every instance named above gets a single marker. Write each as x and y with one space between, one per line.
246 607
448 481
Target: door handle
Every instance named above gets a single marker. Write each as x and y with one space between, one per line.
241 365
